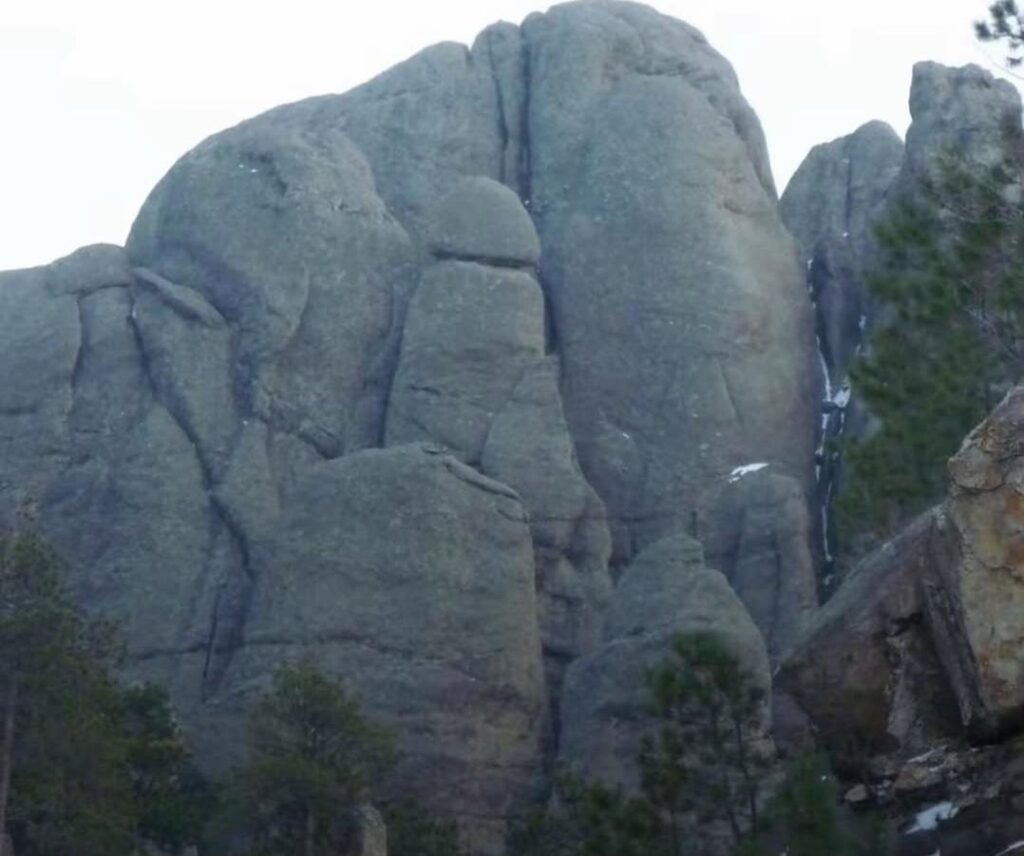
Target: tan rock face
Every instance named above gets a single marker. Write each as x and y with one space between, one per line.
986 507
869 670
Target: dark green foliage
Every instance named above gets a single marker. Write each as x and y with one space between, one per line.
1004 24
805 818
592 820
949 344
413 831
313 761
702 762
699 769
69 787
173 802
94 769
806 809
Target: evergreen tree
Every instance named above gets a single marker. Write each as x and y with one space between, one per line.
172 801
86 768
64 787
949 343
592 820
702 762
1004 24
806 809
413 831
313 761
700 768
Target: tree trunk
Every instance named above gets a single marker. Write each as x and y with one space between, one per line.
309 844
7 753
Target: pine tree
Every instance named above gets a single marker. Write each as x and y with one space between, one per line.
1004 24
949 344
703 761
413 831
64 787
699 769
172 800
86 768
314 759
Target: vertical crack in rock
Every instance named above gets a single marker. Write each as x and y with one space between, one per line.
503 130
211 670
76 371
525 140
229 615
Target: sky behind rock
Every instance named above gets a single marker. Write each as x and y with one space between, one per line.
99 98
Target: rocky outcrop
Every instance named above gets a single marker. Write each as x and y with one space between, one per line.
986 586
411 576
473 374
667 590
402 378
830 206
966 111
922 642
675 321
844 189
867 672
769 553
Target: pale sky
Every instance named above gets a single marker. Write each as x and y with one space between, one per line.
100 97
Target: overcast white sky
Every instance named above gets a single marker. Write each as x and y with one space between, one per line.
100 97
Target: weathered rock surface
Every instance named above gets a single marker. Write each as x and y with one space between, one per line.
667 590
675 321
557 257
830 206
411 576
966 111
866 671
282 232
923 641
768 554
986 510
529 448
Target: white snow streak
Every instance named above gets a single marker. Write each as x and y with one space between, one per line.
929 819
740 472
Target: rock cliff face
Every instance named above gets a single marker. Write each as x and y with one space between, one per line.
843 189
913 636
453 381
667 590
405 377
917 657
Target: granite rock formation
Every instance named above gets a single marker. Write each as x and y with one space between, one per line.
922 642
843 189
986 585
667 590
403 378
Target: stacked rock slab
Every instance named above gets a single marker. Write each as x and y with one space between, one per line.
473 375
986 586
868 671
395 378
666 591
923 641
